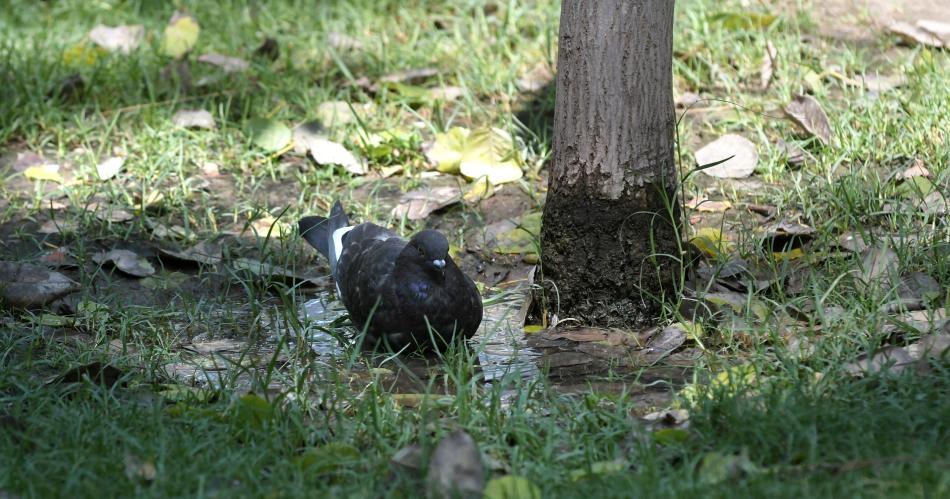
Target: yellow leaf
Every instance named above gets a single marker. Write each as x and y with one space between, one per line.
787 256
181 34
511 487
709 240
491 153
44 172
81 54
446 152
533 328
479 190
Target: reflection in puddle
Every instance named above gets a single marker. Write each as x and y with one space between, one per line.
320 313
499 341
500 345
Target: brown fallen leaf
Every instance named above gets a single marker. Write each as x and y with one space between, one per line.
26 285
536 78
306 132
342 41
935 346
852 241
226 63
139 469
795 155
807 113
446 93
916 170
882 83
420 203
707 206
892 359
930 33
206 253
408 459
126 261
666 340
878 262
455 468
741 152
197 118
326 152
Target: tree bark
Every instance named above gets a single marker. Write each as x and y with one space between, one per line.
609 237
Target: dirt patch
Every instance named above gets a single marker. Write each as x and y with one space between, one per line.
866 19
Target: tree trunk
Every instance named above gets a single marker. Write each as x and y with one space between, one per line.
609 235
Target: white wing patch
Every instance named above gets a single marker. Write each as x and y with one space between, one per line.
337 242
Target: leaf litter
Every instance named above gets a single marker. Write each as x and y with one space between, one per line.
739 153
807 113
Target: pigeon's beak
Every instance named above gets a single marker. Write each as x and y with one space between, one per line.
439 264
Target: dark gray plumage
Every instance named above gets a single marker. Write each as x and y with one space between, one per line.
393 288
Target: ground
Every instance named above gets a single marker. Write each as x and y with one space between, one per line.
805 354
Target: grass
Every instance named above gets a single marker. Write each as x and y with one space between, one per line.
279 420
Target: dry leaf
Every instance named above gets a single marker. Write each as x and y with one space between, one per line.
305 132
853 242
408 459
446 94
122 39
916 170
327 152
707 206
343 41
138 469
126 261
930 33
197 118
109 168
878 262
892 359
204 253
420 203
879 84
26 285
686 99
805 111
743 161
335 113
536 79
226 63
455 468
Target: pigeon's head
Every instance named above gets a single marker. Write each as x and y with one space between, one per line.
431 249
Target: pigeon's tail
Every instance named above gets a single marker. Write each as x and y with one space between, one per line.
324 234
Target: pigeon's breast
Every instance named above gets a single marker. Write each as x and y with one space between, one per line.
420 290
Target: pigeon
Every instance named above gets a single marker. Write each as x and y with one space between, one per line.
400 293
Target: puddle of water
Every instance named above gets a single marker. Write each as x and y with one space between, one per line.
500 342
320 312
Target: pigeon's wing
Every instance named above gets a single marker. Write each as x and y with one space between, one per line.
319 231
365 268
466 300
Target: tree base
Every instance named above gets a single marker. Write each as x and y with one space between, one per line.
612 261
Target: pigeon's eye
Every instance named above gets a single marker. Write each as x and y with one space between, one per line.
421 251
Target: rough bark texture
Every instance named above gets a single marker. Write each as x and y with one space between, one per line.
608 233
